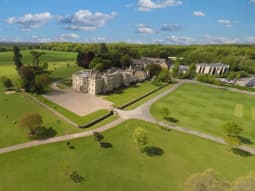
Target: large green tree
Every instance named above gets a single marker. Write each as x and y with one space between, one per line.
140 138
17 57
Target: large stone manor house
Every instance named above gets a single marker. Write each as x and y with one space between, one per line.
93 82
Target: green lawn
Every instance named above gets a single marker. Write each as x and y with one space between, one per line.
121 167
13 107
72 116
206 109
61 64
125 95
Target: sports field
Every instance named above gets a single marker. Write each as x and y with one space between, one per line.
121 167
206 109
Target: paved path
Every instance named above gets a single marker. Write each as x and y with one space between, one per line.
60 138
143 113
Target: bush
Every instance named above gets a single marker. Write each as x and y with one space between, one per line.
205 78
7 83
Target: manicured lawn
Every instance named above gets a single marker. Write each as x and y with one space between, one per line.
147 98
121 167
13 107
206 109
72 116
125 95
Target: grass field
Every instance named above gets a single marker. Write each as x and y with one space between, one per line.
121 167
125 95
13 107
61 64
206 109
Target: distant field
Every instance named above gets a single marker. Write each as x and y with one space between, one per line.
49 56
206 109
122 167
125 95
61 64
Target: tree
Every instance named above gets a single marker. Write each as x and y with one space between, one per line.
84 58
99 67
98 137
232 129
27 75
7 83
36 58
164 76
244 183
102 49
42 81
125 61
153 69
175 70
165 112
17 57
140 138
33 122
208 180
192 70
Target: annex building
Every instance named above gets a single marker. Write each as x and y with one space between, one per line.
217 68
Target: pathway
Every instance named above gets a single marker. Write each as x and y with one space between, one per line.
142 113
60 138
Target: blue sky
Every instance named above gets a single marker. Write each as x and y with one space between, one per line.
134 21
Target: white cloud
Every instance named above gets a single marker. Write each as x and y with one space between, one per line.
68 37
86 20
199 14
252 1
219 40
181 40
144 29
251 39
170 27
147 5
225 22
30 21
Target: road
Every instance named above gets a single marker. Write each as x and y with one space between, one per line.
142 113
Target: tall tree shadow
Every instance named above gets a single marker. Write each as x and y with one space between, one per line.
106 145
153 151
241 152
171 119
245 140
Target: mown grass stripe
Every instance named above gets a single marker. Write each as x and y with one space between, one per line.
253 113
238 110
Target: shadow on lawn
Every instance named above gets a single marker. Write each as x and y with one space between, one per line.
106 145
171 119
245 140
44 133
76 177
241 152
153 151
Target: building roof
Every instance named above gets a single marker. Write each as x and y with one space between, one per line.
213 64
